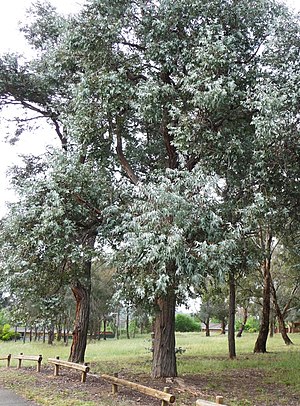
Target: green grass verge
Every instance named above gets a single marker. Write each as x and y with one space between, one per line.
203 355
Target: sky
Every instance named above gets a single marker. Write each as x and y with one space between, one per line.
12 12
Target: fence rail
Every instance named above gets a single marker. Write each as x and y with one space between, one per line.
71 365
219 401
35 358
164 396
6 358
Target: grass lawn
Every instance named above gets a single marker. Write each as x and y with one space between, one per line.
204 371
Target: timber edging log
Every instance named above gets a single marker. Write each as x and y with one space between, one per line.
219 401
164 396
36 358
72 365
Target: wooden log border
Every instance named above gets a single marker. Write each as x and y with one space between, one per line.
164 396
219 401
71 365
36 358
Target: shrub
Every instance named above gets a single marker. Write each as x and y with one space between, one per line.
184 323
5 333
252 325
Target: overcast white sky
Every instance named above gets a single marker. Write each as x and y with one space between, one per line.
11 13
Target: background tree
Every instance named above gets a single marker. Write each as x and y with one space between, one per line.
285 285
103 290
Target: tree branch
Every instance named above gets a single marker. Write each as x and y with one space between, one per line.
171 150
132 45
87 204
124 162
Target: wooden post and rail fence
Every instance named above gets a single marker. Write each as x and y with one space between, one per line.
84 368
164 396
6 358
36 358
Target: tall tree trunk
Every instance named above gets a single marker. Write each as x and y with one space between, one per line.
164 358
280 317
261 342
25 333
127 323
82 294
272 322
59 329
100 327
51 334
207 330
104 328
243 325
231 319
118 325
223 326
82 297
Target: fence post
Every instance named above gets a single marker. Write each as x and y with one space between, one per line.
38 367
114 387
83 375
20 361
56 368
8 360
166 390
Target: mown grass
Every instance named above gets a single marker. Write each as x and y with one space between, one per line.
203 355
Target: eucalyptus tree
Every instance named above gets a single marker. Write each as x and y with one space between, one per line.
277 127
143 87
57 216
102 293
167 241
285 285
49 234
214 304
171 81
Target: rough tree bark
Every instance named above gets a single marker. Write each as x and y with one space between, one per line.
82 292
82 296
261 342
223 326
272 321
164 358
280 316
127 323
243 325
206 323
231 318
104 328
51 335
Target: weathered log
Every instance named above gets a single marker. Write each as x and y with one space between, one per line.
36 358
219 401
72 365
164 396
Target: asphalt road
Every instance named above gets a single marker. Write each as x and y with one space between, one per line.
8 398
